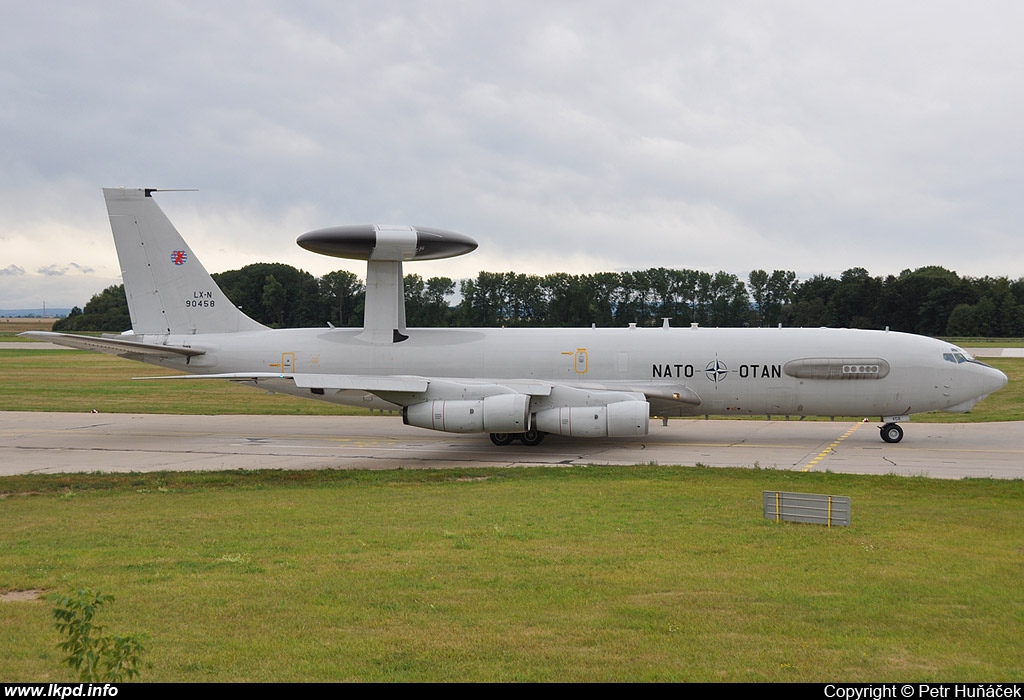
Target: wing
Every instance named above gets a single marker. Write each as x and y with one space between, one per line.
662 392
591 409
406 389
361 391
334 382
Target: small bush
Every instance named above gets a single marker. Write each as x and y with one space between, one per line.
95 656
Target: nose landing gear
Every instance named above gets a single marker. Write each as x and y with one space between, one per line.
891 432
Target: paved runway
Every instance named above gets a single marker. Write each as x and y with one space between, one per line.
75 442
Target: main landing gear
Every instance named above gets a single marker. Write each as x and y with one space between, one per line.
891 432
530 438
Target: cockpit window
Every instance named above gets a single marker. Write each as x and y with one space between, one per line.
957 356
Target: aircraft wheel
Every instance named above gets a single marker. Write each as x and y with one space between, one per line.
892 432
502 439
531 438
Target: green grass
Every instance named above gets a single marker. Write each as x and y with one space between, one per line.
72 380
76 381
580 574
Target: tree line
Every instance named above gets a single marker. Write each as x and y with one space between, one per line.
929 300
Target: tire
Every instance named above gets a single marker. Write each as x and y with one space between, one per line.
502 439
531 438
892 432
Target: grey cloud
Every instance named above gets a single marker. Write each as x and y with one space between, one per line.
60 270
789 135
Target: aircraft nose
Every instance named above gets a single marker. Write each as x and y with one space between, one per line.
995 380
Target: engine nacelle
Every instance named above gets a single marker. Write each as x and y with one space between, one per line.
501 413
619 419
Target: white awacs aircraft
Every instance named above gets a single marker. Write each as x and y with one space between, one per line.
516 384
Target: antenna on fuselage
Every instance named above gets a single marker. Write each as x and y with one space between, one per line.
384 248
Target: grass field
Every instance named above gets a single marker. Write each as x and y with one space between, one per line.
579 574
637 573
72 380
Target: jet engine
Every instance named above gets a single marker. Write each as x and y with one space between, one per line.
619 419
501 413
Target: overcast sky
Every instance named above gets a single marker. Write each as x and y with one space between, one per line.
563 136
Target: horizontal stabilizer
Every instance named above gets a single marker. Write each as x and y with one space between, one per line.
112 346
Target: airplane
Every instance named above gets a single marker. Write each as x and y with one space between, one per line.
514 384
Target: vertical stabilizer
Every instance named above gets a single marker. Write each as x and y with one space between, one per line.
168 289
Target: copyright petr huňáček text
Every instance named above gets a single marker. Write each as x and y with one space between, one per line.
922 690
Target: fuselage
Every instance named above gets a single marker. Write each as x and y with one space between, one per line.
684 371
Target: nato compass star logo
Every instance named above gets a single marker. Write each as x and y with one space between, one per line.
178 257
716 371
